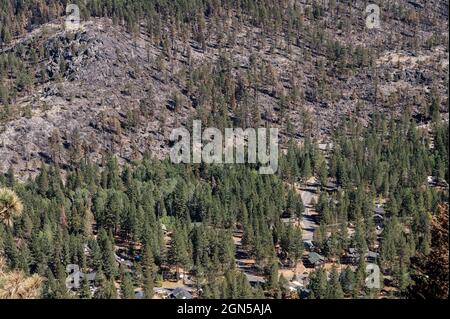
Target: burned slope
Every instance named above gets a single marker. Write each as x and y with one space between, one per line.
106 88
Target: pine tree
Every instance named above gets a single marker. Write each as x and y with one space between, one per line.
318 283
323 173
109 264
360 278
148 269
127 287
85 290
180 201
61 292
334 289
10 178
347 279
178 251
50 286
272 277
106 289
307 170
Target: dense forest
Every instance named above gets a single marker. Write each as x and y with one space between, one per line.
84 217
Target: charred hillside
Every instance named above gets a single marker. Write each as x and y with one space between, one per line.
123 80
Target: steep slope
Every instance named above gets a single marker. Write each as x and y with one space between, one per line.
102 89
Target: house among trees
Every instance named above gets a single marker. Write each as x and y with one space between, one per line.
379 210
293 286
139 295
309 245
432 181
255 280
378 219
352 256
162 291
304 293
314 260
180 293
123 261
372 256
331 187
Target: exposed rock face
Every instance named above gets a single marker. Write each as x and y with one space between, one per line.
100 89
102 80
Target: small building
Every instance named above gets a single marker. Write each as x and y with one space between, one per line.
372 256
351 256
255 280
378 219
180 293
123 261
162 292
379 210
331 187
291 287
314 260
139 295
433 181
309 246
304 293
294 286
378 229
301 279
